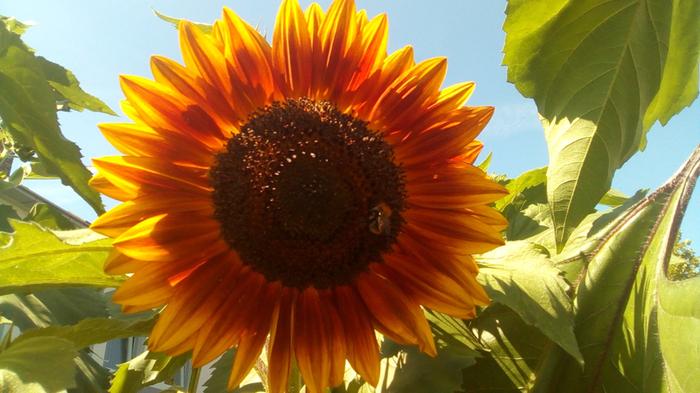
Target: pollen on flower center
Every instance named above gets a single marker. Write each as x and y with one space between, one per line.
308 195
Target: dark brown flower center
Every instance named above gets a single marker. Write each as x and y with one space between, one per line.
308 195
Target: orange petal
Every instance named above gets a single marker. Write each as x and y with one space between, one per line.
168 112
458 231
291 49
446 140
100 183
141 140
401 104
428 285
118 263
122 217
252 344
195 299
226 327
363 351
280 352
450 187
169 237
250 57
318 341
138 175
374 42
210 98
394 313
340 47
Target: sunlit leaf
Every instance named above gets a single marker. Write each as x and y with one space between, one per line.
601 73
93 331
144 370
514 352
637 329
38 365
48 216
36 258
67 88
205 28
28 111
521 276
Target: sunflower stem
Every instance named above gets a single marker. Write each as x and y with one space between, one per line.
194 381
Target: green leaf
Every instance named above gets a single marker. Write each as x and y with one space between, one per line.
637 328
521 276
28 111
36 258
524 190
205 28
601 73
7 213
513 357
484 166
419 373
48 216
14 25
93 331
613 198
39 365
67 88
14 180
61 306
144 370
221 369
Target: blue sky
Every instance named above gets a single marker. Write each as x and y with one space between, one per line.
98 40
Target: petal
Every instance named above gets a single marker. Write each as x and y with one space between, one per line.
210 98
250 57
291 49
225 329
450 187
428 285
118 263
100 183
139 175
457 231
251 345
195 299
446 140
394 313
122 217
318 341
400 105
170 113
280 352
169 237
363 351
141 140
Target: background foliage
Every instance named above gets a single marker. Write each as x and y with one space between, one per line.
595 291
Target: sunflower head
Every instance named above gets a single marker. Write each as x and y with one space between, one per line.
304 193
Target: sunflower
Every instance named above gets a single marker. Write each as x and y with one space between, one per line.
297 195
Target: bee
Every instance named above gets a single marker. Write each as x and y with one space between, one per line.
380 219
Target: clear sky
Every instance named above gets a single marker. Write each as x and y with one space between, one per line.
98 40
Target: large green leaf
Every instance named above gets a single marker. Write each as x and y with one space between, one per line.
513 352
93 331
67 88
521 276
28 111
144 370
637 329
601 73
38 365
36 258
